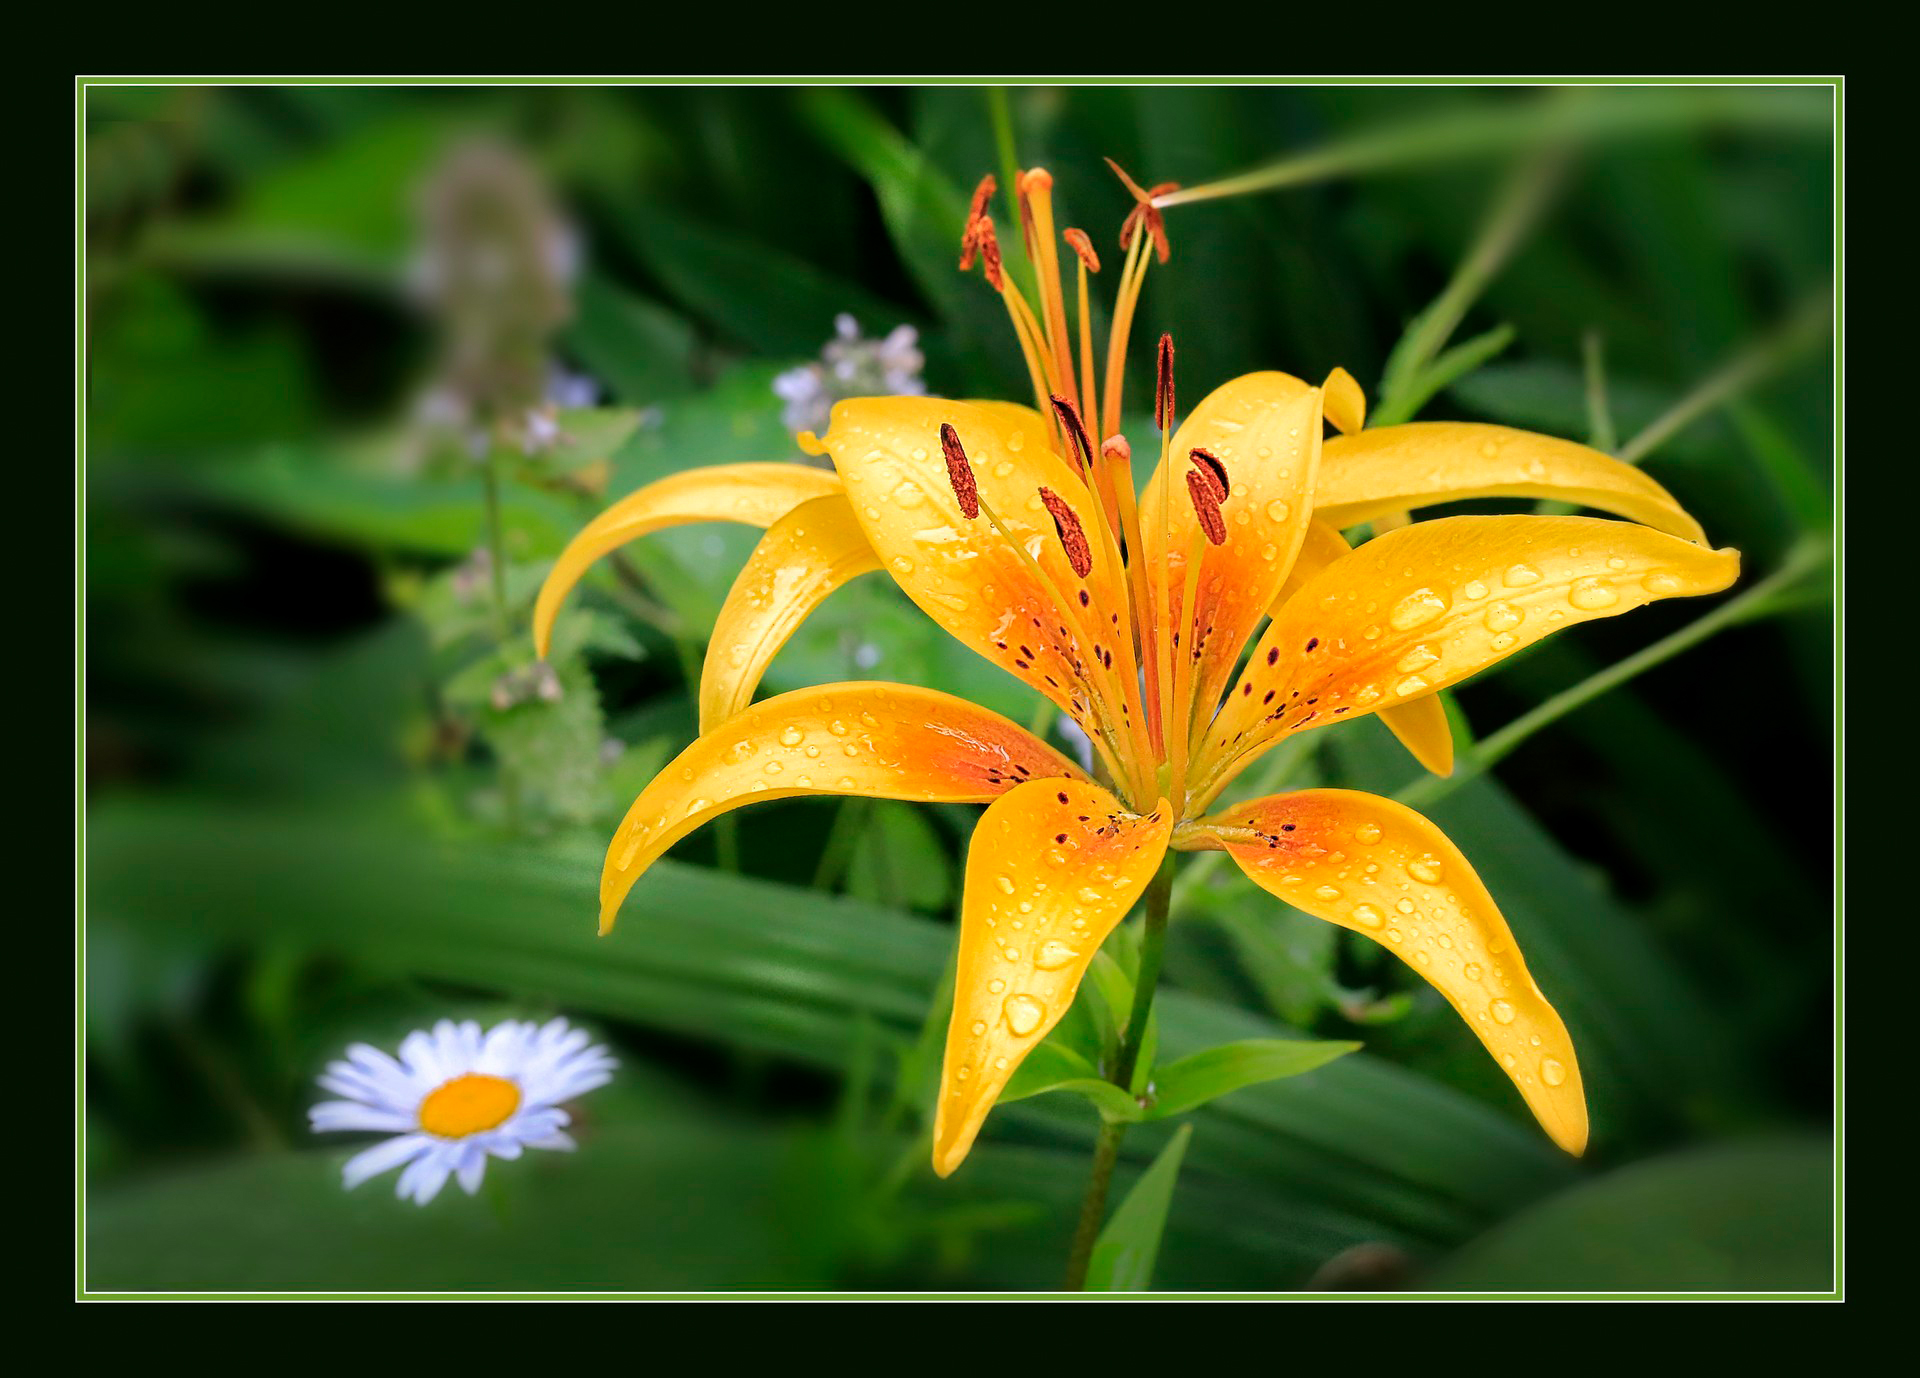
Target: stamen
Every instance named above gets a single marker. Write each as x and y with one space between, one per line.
1077 241
1216 474
981 195
1145 213
1073 537
990 253
970 234
1163 386
1070 422
960 472
1206 506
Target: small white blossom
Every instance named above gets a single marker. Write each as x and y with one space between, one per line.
850 366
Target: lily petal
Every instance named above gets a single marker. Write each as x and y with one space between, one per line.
1053 867
1389 469
887 741
1424 607
755 494
1265 429
1420 724
1383 871
804 556
1024 608
1422 728
1346 403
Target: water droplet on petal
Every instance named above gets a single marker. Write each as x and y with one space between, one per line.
1024 1014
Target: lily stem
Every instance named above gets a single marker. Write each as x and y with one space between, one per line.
1106 1148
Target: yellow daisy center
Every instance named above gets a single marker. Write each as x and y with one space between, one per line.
468 1104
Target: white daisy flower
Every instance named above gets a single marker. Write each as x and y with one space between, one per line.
457 1096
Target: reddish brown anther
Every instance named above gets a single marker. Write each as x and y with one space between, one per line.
1073 536
982 194
1215 471
1077 241
1144 212
960 472
971 234
1163 385
1070 422
1206 507
990 254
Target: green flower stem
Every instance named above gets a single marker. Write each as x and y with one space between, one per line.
1106 1148
502 622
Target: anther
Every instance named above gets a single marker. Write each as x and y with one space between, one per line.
1206 507
1077 241
959 472
1070 420
990 253
1216 473
1073 537
1163 386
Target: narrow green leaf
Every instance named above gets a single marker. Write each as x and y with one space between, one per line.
1054 1067
1124 1254
1204 1076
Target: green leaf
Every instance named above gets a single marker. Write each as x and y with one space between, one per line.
642 351
1747 1217
1055 1067
1124 1255
1204 1076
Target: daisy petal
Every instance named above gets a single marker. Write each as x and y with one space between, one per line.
383 1157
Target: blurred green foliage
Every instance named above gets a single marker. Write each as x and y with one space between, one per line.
328 801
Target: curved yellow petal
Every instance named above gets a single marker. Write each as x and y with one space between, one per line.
1380 869
1061 631
1420 724
1053 867
804 556
755 494
889 741
1265 429
1422 728
1423 607
1346 403
1393 468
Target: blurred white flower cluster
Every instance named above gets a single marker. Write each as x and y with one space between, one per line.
851 366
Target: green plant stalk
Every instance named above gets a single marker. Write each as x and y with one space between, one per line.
1773 593
1106 1148
502 624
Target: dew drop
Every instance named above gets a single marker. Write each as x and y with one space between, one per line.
1503 617
1368 915
1052 956
1502 1012
1417 609
1592 594
1519 576
1024 1014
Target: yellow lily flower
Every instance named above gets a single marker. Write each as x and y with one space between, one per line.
1017 534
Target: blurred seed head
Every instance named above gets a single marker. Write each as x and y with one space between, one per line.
495 269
